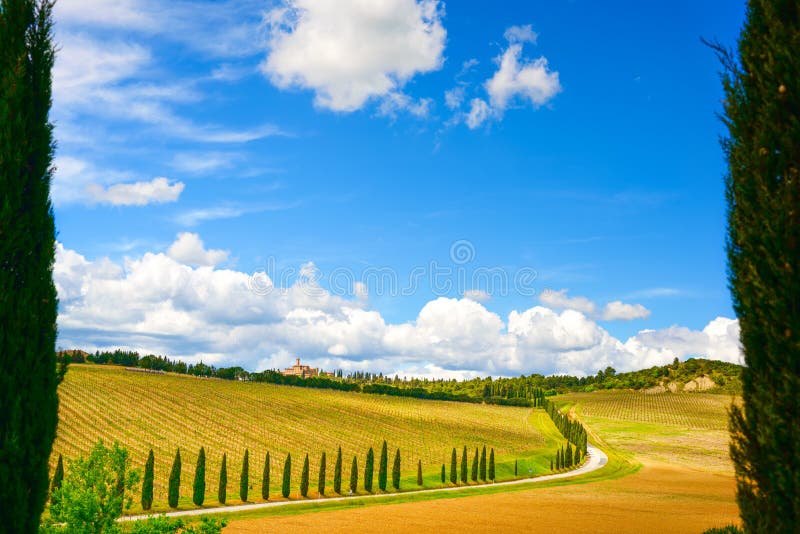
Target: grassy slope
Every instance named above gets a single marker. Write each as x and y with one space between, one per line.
169 411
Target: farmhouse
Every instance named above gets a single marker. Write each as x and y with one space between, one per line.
300 370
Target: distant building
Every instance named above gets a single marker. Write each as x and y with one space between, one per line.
303 371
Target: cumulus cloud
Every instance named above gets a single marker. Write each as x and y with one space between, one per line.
560 300
178 303
618 310
613 311
157 190
520 34
478 295
188 248
350 51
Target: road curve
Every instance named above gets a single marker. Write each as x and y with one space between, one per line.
596 459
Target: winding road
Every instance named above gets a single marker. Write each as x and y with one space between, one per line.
596 459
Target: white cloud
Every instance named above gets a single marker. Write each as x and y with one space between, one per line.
478 295
479 111
517 77
196 216
157 190
618 310
613 311
520 34
559 300
158 303
394 103
454 97
350 51
188 248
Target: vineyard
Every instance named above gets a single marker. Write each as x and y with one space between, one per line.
164 412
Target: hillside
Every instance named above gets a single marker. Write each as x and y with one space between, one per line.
166 411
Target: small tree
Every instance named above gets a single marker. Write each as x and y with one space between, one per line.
304 478
58 477
419 472
454 467
199 486
369 470
383 467
577 459
321 481
568 455
287 477
222 491
265 479
244 480
337 472
147 485
483 464
354 475
396 470
475 466
551 464
173 493
464 466
491 465
444 476
515 468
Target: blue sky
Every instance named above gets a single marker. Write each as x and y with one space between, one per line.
205 148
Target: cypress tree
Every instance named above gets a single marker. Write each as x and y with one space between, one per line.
222 490
28 300
304 478
287 476
443 474
119 488
419 472
396 470
464 466
354 475
175 481
568 455
369 470
577 459
515 467
147 482
337 473
483 464
244 480
321 481
551 464
762 114
199 485
491 465
265 479
58 479
454 467
383 467
475 466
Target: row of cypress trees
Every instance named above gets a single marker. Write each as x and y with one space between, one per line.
478 470
572 430
566 457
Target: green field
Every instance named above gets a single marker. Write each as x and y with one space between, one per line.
169 411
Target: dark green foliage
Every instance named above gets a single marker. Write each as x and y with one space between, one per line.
337 473
369 469
396 470
166 525
119 489
551 464
568 456
147 482
58 477
444 477
222 490
475 460
265 479
28 305
419 472
304 478
730 529
572 430
515 468
199 486
762 114
321 480
482 467
464 467
173 493
244 479
383 467
576 460
454 467
287 477
354 475
491 465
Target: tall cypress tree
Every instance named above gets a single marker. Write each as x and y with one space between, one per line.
265 479
396 470
475 466
28 401
58 479
491 465
337 472
383 467
222 489
515 468
464 468
419 472
568 455
369 469
454 467
762 114
304 478
444 477
483 464
147 482
199 486
354 475
173 493
287 477
321 481
577 459
244 479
